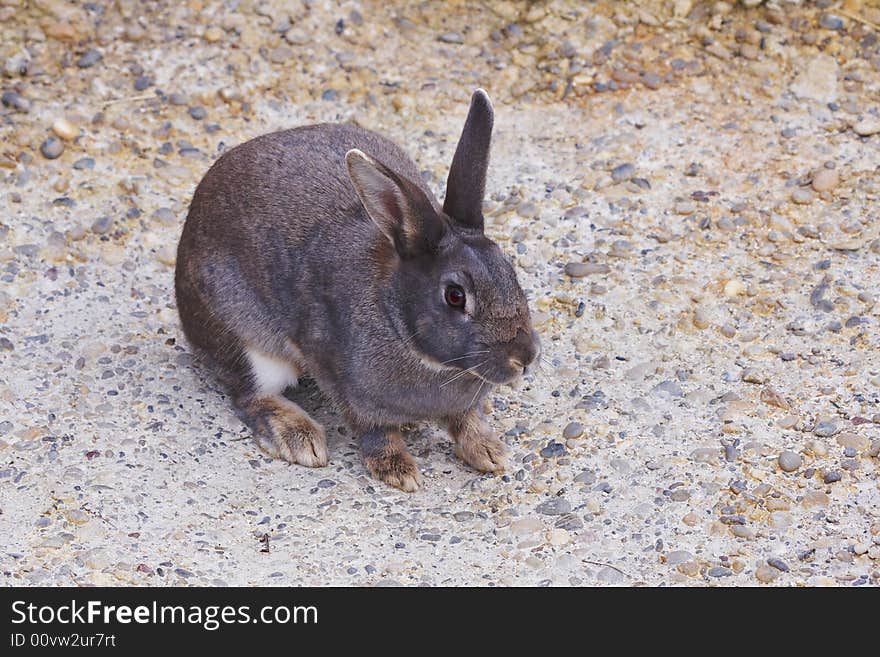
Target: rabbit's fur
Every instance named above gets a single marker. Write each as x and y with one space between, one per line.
320 251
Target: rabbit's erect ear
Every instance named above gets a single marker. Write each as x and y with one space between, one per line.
398 207
467 175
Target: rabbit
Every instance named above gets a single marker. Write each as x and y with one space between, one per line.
320 251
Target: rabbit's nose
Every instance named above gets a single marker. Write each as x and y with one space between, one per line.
527 347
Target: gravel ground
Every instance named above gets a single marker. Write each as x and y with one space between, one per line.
690 191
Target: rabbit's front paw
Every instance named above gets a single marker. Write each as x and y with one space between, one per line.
286 431
484 452
387 459
477 445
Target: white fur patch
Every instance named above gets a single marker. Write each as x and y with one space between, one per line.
271 375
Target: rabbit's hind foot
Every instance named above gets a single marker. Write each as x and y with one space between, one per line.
284 430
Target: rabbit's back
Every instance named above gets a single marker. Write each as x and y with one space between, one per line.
282 184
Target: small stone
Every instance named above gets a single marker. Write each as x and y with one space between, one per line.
559 537
678 556
102 225
830 22
751 375
701 319
623 172
84 163
867 127
280 54
766 574
587 477
89 58
16 101
815 498
142 82
525 526
52 148
802 196
553 449
773 397
555 507
854 441
734 288
831 477
719 571
685 207
825 180
778 564
826 429
581 269
689 568
65 129
572 430
609 575
668 388
197 113
789 461
450 37
743 531
213 34
788 422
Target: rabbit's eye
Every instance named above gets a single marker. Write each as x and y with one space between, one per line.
455 296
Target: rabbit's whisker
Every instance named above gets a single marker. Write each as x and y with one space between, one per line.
473 353
463 372
477 393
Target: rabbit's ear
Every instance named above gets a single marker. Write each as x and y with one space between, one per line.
398 207
467 175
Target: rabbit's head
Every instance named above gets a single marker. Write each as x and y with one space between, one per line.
449 291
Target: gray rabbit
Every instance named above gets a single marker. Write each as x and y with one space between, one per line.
320 251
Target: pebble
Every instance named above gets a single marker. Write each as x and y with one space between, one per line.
622 172
16 101
802 196
734 288
825 180
197 113
553 449
52 148
581 269
854 441
826 429
667 388
143 82
65 129
720 571
831 477
867 127
572 430
451 37
815 498
555 507
789 461
701 319
830 22
678 556
89 58
766 574
102 225
778 564
213 34
685 207
587 478
773 397
84 163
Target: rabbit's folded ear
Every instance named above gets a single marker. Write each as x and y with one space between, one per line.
467 175
398 207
